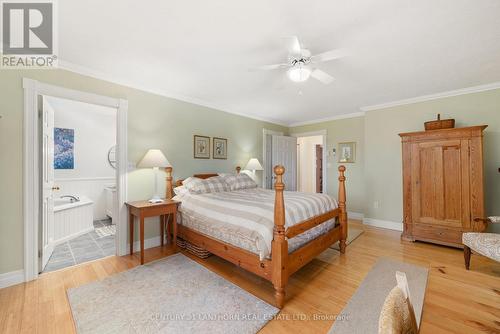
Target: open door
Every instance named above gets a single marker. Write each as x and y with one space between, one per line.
47 159
285 154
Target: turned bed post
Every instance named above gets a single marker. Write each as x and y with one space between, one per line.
238 169
169 189
279 247
343 209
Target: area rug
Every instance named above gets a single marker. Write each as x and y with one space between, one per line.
172 295
362 311
352 233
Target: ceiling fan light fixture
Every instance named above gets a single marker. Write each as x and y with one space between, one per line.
299 73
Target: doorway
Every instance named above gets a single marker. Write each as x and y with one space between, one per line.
319 168
311 162
36 179
78 178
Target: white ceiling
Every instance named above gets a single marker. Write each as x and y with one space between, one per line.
202 51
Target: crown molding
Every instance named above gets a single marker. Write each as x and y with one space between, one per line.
423 98
333 118
68 66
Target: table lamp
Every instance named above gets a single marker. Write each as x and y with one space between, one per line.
154 159
253 165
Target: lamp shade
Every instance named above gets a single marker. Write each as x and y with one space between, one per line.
154 158
253 164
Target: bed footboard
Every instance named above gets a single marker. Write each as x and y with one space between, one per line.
284 264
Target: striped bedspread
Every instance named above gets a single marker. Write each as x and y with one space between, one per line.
245 218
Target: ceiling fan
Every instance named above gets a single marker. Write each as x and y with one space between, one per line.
300 65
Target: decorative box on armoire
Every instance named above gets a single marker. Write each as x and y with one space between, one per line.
442 184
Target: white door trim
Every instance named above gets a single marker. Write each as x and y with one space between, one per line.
322 133
31 177
264 144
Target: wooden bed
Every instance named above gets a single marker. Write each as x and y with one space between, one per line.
282 264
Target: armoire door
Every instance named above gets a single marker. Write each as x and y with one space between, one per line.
440 183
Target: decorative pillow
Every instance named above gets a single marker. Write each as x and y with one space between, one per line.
211 185
240 181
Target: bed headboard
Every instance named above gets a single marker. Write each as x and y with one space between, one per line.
178 183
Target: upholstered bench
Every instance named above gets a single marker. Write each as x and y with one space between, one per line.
486 244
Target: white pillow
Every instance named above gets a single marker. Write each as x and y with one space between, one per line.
189 180
179 191
240 181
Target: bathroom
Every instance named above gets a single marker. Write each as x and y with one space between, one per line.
79 182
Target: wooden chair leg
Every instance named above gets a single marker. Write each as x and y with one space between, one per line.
467 253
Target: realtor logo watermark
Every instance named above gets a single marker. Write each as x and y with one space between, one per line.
28 35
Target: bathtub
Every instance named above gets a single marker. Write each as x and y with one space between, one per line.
72 219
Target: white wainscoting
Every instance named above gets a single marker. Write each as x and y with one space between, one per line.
92 188
73 221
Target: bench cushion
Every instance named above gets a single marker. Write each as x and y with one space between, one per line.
486 244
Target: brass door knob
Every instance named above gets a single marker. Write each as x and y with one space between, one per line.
55 188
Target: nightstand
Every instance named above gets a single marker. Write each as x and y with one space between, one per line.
145 209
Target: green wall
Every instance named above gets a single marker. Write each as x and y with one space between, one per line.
169 124
153 122
383 167
377 174
344 130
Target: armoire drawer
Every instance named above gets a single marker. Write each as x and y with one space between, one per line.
439 234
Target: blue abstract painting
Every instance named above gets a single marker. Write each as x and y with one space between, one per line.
64 141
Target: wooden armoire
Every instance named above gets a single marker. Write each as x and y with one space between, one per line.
442 184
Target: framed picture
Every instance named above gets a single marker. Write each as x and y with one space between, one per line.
347 152
220 148
201 147
64 142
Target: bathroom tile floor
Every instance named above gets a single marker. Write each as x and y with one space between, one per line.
94 245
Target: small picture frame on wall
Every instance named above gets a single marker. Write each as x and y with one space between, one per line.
201 147
220 148
347 152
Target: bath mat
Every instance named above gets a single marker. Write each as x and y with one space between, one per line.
360 315
352 233
171 295
105 231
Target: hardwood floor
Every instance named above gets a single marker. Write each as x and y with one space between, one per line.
456 300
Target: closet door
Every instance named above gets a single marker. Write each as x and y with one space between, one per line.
285 154
440 184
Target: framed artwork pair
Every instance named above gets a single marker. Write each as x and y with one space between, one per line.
201 147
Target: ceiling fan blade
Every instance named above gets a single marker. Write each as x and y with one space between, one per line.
293 45
271 67
322 76
329 55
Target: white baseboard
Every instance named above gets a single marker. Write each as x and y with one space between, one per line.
11 278
355 215
383 224
148 243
